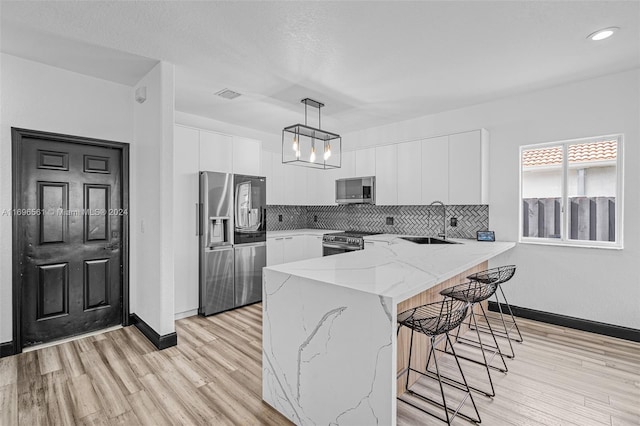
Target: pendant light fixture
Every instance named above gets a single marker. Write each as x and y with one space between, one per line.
307 146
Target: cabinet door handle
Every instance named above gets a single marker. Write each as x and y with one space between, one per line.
288 238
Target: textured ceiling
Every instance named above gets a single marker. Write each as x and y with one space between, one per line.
371 63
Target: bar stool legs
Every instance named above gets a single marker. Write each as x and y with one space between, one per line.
498 276
475 292
427 320
484 347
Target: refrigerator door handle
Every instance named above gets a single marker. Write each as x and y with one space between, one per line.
197 219
200 224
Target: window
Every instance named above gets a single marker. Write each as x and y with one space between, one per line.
571 192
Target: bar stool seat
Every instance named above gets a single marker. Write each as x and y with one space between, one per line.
498 276
474 292
436 320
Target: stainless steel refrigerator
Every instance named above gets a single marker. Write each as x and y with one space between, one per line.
233 238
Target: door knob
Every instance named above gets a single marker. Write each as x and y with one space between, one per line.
112 246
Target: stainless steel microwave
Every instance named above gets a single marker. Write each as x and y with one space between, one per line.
361 190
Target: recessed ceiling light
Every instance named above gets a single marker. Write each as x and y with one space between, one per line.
602 34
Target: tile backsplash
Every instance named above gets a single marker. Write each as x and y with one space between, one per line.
415 220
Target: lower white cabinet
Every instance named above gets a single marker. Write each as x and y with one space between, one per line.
293 248
314 246
275 251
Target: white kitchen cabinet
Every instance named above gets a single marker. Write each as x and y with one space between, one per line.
410 173
314 186
246 156
468 168
275 251
313 246
386 173
295 185
374 244
294 248
348 169
185 221
277 181
216 152
267 172
435 170
365 162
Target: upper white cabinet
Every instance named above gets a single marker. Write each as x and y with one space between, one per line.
365 162
296 191
451 168
468 168
247 154
348 168
216 152
386 173
410 173
435 169
186 152
277 193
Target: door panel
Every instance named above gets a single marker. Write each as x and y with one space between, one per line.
69 233
96 206
53 290
53 198
96 283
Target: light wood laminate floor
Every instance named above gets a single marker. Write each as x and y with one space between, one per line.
559 377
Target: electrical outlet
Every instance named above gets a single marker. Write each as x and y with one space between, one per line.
389 220
453 221
315 218
279 218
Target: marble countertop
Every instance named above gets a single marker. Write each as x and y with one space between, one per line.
398 270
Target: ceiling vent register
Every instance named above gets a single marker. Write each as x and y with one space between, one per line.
228 94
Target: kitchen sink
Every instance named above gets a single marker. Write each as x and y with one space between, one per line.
427 240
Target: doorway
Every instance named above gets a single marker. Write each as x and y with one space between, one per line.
70 236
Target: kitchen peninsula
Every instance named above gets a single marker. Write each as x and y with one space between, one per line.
330 351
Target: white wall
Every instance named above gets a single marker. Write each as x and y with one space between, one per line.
595 284
152 215
40 97
270 141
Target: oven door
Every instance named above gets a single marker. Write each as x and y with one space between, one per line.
328 249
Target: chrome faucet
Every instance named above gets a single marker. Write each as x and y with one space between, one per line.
442 234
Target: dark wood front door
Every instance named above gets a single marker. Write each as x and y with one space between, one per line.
69 223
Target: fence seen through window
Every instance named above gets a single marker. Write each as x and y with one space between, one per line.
570 190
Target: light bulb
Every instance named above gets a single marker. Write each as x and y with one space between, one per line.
327 152
295 146
297 153
602 34
312 157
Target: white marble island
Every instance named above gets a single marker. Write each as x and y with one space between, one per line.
329 330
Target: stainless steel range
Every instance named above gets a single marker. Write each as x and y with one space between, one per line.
343 242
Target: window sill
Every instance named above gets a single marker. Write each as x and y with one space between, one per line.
546 242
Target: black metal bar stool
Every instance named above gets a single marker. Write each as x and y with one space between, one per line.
436 320
474 292
498 276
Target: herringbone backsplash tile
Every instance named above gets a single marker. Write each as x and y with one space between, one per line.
413 220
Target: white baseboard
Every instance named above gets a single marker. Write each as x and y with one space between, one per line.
185 314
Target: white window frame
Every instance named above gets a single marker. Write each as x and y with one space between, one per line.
565 212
